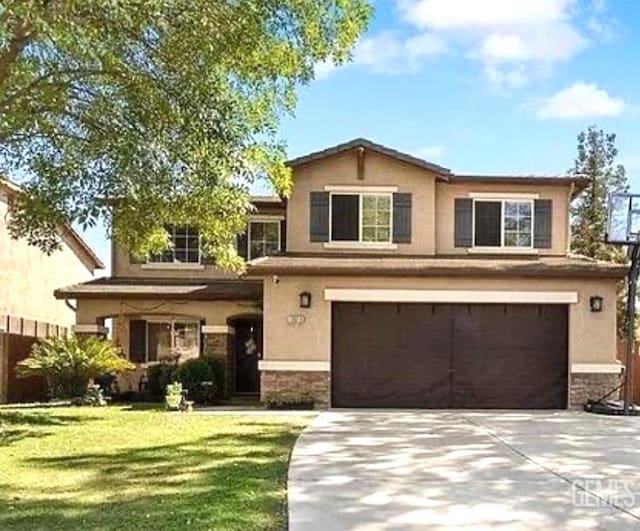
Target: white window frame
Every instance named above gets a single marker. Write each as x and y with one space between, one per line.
175 263
263 220
173 322
502 200
359 241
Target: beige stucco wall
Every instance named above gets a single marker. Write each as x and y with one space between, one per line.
447 193
91 311
592 336
379 171
28 277
122 267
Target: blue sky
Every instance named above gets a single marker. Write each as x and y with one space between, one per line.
491 86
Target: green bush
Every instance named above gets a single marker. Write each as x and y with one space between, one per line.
68 363
288 400
197 377
219 370
158 377
191 374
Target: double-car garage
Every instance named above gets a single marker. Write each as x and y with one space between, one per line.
439 355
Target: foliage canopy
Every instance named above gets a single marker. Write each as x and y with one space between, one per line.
166 108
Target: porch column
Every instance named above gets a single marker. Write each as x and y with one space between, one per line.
218 343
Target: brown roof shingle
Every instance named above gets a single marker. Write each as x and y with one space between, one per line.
118 287
434 266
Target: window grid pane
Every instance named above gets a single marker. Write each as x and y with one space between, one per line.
185 248
265 236
376 218
517 224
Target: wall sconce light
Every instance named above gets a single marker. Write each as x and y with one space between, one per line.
595 303
305 299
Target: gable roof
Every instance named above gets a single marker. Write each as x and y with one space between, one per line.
79 247
444 174
372 146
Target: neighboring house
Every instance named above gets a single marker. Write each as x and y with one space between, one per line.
384 281
28 309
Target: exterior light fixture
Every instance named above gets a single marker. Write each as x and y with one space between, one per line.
595 303
305 299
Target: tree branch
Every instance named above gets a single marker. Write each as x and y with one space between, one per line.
21 36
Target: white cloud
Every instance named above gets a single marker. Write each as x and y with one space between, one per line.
514 40
324 69
485 14
581 100
390 52
432 152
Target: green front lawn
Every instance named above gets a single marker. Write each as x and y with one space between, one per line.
117 468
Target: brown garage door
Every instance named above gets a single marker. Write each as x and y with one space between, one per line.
449 355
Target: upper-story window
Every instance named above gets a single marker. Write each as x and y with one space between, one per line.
503 223
185 248
264 238
361 217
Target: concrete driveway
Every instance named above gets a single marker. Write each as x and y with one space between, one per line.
380 470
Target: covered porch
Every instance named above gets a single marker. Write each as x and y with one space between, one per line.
167 320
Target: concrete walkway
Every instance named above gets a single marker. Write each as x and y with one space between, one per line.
374 470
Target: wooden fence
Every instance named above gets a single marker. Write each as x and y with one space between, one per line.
22 389
622 354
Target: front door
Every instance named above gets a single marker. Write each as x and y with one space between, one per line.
247 353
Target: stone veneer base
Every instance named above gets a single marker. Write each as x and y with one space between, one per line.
583 386
591 386
316 383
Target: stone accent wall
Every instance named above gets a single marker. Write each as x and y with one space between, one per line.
585 386
316 383
221 346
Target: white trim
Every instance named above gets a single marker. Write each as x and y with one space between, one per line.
498 196
502 203
360 194
276 365
361 245
89 329
218 329
267 217
502 250
451 296
360 189
595 368
189 266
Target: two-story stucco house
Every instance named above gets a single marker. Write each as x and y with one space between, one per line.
384 281
28 309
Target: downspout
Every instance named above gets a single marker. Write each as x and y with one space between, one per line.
73 308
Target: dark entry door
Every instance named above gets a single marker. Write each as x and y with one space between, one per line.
248 350
449 355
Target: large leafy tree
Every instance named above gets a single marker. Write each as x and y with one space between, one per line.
596 160
159 110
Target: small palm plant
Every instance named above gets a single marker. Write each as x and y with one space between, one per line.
67 364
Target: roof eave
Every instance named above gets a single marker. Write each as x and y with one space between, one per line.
262 271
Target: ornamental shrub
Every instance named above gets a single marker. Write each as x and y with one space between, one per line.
67 364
